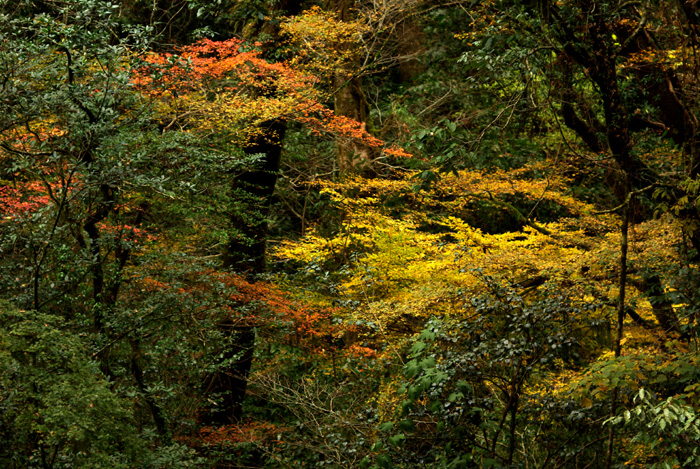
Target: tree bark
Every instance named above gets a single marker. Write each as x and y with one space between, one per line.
229 384
621 310
350 101
253 191
246 251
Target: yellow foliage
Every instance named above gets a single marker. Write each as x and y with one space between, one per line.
402 273
324 44
398 268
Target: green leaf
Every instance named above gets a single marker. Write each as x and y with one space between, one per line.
386 426
417 348
383 460
397 439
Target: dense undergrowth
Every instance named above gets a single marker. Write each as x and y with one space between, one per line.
398 234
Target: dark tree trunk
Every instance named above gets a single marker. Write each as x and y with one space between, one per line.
229 384
661 304
246 250
245 253
253 191
599 57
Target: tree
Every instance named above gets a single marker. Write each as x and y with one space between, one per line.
228 89
77 420
90 186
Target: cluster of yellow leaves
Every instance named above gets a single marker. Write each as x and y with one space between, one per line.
324 44
487 20
402 270
398 265
672 58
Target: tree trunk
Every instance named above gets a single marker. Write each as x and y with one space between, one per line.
350 101
253 192
621 310
246 251
229 384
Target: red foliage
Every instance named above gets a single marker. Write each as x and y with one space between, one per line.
22 200
234 68
362 352
248 432
220 66
127 232
312 329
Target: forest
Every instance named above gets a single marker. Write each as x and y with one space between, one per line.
349 234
